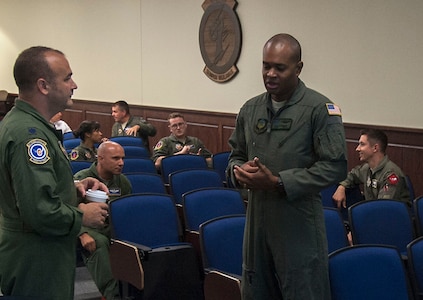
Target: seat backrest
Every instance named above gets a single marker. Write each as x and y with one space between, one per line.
415 265
69 144
335 230
381 221
146 183
418 213
147 219
173 163
327 194
128 140
353 195
144 165
221 243
68 135
368 272
220 163
184 181
78 165
136 152
208 203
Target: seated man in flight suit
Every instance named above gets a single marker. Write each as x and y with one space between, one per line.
95 242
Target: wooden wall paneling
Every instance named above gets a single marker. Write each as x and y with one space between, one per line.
207 133
226 134
162 130
214 129
412 165
105 119
73 117
353 158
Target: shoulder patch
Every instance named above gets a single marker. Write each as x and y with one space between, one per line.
333 109
37 151
74 155
158 146
393 179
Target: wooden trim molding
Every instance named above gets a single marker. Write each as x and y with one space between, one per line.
214 129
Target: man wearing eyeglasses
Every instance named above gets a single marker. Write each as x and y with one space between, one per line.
178 142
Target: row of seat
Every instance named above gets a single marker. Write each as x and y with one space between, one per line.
147 239
382 221
366 271
135 163
70 141
372 269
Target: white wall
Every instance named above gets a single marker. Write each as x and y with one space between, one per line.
365 55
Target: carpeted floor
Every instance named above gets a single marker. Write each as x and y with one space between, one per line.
85 288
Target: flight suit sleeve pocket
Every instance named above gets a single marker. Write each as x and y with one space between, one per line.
332 143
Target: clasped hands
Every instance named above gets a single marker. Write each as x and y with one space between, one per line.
186 150
255 175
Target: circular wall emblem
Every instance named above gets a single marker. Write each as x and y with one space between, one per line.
220 39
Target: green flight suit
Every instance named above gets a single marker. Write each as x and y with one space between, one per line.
170 145
98 263
146 129
285 248
39 220
386 181
83 153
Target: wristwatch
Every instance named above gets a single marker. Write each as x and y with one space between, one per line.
280 187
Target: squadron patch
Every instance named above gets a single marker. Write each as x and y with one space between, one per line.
333 110
74 155
158 146
37 151
393 179
261 125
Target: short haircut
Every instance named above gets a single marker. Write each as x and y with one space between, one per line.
175 115
284 38
376 136
122 105
86 127
31 65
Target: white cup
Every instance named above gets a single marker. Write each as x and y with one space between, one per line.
96 196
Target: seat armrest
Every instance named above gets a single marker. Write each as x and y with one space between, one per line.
125 262
222 286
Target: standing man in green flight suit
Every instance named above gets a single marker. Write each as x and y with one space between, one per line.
288 144
96 242
39 220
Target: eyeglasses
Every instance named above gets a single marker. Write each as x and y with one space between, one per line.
174 126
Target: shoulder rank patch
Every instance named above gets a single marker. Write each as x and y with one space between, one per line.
37 151
333 109
74 155
393 179
158 146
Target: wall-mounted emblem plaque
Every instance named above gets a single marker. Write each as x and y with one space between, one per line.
220 39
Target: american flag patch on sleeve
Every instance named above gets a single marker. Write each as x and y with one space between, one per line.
333 109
